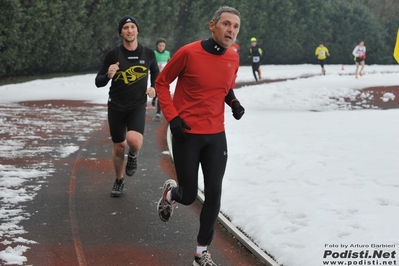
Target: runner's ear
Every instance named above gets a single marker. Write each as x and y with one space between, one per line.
212 25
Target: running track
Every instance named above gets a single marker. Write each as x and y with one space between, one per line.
74 220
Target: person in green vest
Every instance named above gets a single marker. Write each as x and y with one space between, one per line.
162 56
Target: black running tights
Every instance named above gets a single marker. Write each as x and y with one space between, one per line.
211 152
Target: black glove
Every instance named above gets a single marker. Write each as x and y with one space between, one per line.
177 126
237 109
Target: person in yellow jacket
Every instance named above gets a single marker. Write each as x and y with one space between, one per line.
396 49
322 53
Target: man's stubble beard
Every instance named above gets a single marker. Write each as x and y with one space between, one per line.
131 40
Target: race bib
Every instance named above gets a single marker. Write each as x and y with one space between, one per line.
322 53
256 59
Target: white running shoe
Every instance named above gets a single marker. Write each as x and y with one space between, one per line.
164 208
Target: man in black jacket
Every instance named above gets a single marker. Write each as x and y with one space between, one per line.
256 54
127 66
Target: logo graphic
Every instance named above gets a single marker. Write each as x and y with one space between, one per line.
359 254
131 75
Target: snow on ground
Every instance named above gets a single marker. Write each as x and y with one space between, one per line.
301 184
34 142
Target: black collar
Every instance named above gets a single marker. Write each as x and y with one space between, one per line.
212 47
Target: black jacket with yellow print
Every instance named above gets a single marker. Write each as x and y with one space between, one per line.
256 53
130 83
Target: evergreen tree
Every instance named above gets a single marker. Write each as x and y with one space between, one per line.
40 37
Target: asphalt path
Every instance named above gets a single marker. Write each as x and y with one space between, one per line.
75 221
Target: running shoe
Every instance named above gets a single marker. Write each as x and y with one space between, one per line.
164 208
360 74
117 188
203 260
131 165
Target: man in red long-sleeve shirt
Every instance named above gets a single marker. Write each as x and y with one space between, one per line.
206 71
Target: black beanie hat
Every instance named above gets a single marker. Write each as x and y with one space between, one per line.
125 20
159 40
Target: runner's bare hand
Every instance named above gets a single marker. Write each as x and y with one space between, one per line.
151 92
113 69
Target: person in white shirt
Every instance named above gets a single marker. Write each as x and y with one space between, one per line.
360 57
